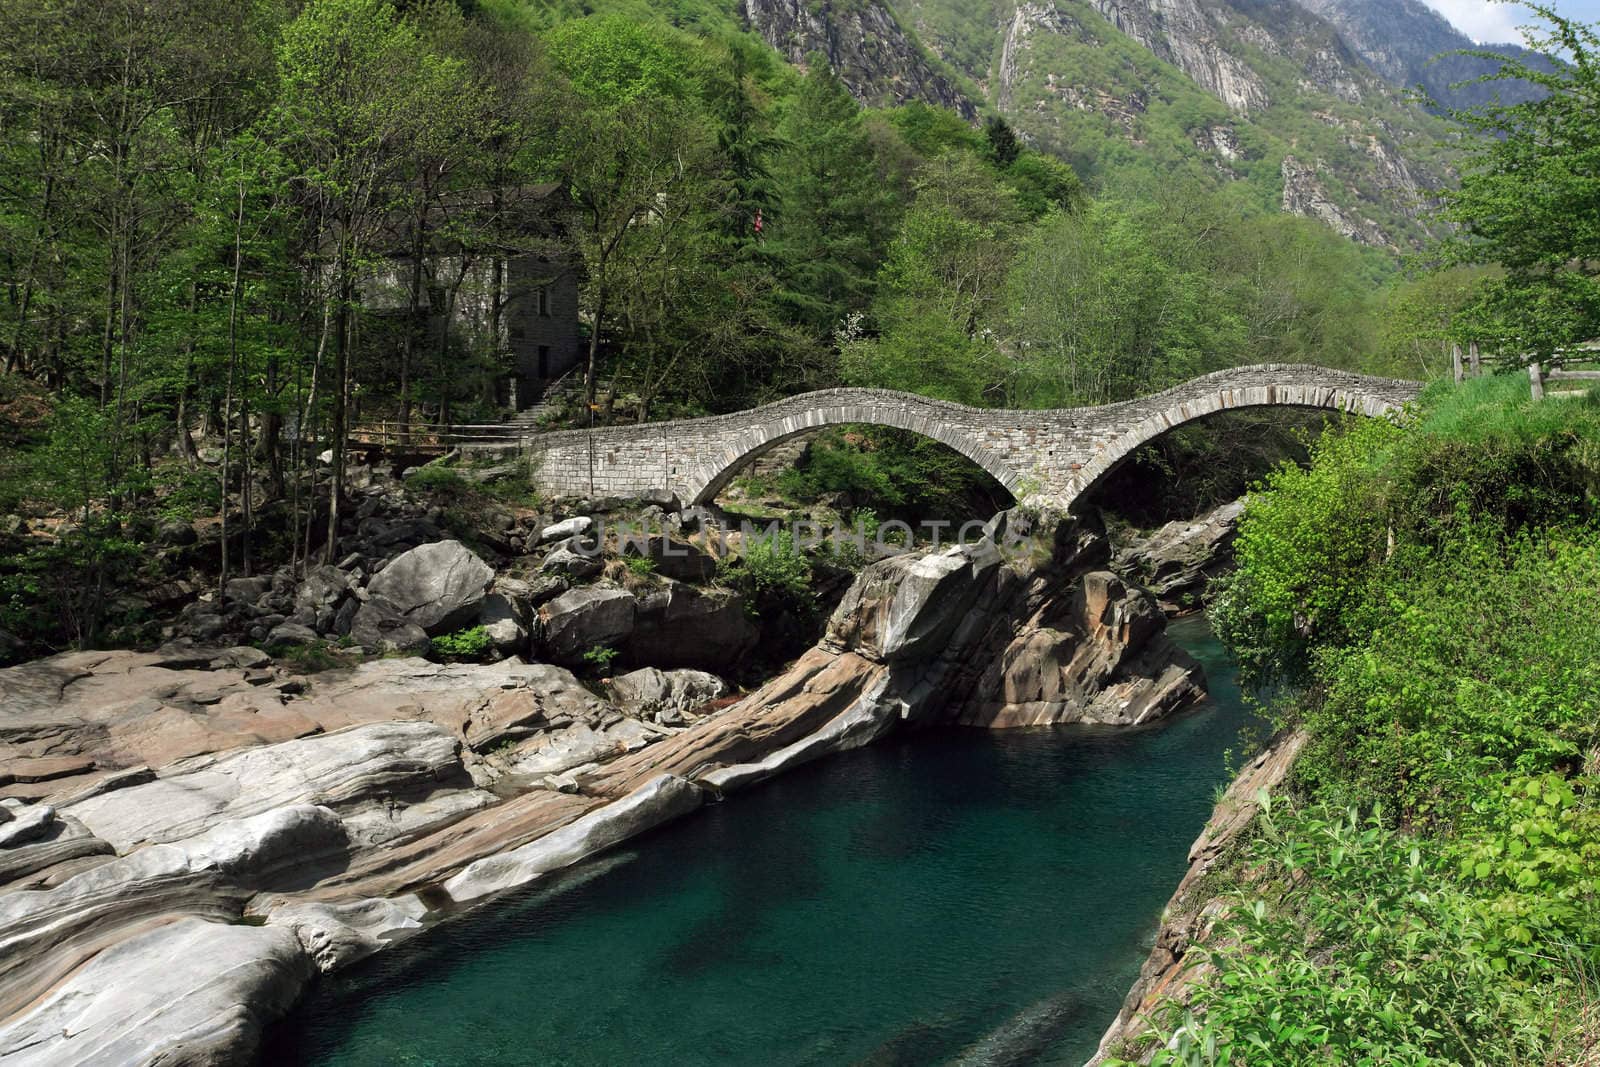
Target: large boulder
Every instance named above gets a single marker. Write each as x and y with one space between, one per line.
506 622
190 991
584 618
436 587
908 607
1100 656
317 600
681 560
576 526
381 626
682 625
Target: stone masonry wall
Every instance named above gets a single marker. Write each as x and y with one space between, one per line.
1049 456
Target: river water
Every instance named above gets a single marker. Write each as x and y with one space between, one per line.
946 896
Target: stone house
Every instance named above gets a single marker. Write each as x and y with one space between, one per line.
515 297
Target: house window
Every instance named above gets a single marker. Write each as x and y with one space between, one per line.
544 301
544 361
518 333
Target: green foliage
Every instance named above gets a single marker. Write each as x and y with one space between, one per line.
1378 954
436 478
614 59
1004 148
640 566
1528 196
775 577
1321 546
599 658
1485 661
1432 587
470 644
873 469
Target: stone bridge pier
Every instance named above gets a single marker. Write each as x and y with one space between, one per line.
1042 456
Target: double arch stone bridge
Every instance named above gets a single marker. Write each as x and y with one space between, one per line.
1046 456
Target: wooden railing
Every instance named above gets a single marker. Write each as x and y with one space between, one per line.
1538 374
435 435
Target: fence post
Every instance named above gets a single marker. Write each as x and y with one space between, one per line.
1536 379
1455 363
1474 359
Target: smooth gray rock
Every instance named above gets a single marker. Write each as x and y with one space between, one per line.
337 935
585 618
1178 561
546 697
908 607
575 565
576 526
65 839
437 587
659 800
340 769
45 934
27 824
292 633
506 623
190 992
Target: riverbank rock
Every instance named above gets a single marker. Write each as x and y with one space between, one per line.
341 769
586 618
342 805
665 696
190 992
682 625
1171 971
1100 656
657 801
1178 561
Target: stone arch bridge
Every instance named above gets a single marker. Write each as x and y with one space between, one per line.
1047 456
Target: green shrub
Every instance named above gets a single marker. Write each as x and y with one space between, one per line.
1377 954
640 566
469 644
436 479
1484 662
774 576
600 658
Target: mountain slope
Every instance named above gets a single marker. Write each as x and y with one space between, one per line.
1265 97
1409 44
1256 92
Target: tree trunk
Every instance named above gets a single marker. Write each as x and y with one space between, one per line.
341 388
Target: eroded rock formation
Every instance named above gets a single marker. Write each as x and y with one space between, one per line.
156 801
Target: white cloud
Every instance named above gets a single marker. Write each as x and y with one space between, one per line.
1481 20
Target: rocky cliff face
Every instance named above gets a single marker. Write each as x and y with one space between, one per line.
864 44
1235 82
1408 44
1271 94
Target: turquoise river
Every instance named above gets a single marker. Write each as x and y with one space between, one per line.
947 896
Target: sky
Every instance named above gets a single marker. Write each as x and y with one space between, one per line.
1491 22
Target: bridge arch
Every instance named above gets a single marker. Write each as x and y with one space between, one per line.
895 410
1050 457
1371 397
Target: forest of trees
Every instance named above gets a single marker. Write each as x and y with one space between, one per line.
193 191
